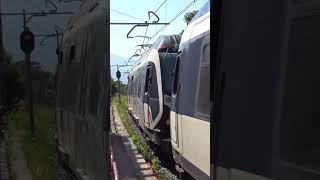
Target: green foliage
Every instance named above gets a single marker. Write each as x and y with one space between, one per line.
155 164
189 15
141 145
115 87
40 150
11 79
43 83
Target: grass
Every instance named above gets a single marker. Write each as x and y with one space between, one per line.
142 147
40 150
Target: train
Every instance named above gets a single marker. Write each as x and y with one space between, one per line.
265 112
260 121
149 90
190 98
83 101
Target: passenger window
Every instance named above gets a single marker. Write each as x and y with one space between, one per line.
148 79
203 103
176 75
61 57
72 53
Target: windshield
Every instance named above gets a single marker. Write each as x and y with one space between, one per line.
167 63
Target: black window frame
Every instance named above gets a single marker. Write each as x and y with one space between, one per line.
204 63
176 77
72 53
148 81
60 57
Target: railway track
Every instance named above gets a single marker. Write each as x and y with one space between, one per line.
167 165
129 163
168 170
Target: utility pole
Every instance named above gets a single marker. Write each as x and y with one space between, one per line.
29 90
27 46
118 76
1 36
1 63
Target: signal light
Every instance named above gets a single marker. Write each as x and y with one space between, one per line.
27 41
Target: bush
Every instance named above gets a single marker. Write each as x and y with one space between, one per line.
40 150
142 147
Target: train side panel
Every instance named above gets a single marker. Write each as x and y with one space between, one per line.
190 110
83 94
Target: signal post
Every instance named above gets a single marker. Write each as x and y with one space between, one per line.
27 46
118 76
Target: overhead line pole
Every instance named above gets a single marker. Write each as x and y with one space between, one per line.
1 36
118 85
28 80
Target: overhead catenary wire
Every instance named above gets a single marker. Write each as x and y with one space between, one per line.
127 15
163 3
145 34
159 7
175 17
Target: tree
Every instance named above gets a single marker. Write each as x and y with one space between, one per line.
188 18
189 15
12 81
114 87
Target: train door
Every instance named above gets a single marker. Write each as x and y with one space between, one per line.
174 114
151 100
146 97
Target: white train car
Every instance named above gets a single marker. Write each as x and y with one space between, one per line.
190 108
149 90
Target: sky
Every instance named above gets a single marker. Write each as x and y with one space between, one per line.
122 48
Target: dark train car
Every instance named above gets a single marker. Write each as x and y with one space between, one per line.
190 109
266 90
82 111
149 89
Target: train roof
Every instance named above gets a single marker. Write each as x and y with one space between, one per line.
166 39
162 40
82 17
202 11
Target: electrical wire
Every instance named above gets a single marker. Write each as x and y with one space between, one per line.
175 17
160 6
145 34
127 15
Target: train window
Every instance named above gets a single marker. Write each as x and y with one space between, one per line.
176 75
153 83
72 53
167 62
173 48
61 120
147 86
61 57
203 102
